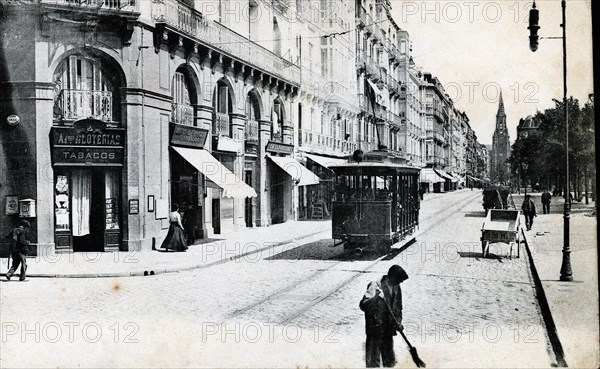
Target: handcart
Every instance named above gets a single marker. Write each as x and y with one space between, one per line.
501 226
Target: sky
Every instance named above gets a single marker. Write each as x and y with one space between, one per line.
477 48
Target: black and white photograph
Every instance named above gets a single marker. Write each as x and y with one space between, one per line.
298 184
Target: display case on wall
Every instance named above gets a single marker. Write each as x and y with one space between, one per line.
62 213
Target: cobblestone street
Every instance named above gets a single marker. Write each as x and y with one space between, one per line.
292 307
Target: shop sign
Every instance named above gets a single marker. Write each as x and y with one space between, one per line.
13 120
75 155
191 136
88 142
279 148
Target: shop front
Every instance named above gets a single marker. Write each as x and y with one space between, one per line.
219 183
186 182
285 173
430 181
88 161
315 201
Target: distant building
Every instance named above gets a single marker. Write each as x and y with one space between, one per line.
500 147
528 126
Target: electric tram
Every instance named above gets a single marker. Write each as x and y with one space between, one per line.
376 201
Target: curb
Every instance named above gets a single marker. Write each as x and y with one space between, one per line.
142 273
546 312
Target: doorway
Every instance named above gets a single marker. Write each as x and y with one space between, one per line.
248 201
277 187
89 210
216 215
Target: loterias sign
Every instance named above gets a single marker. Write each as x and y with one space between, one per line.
87 142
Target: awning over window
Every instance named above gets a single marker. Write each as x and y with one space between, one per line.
473 178
216 173
429 175
458 177
297 171
375 88
325 161
446 175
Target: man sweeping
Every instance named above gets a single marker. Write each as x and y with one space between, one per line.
382 299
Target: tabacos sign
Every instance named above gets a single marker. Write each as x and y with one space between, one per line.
87 142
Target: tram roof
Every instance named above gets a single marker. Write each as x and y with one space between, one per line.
373 165
377 161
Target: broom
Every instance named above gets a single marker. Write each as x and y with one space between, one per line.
413 351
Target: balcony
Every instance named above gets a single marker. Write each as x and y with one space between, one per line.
361 16
372 70
319 142
251 133
368 24
221 126
95 5
396 119
393 85
80 104
216 36
182 114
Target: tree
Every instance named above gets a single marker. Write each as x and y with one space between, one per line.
544 151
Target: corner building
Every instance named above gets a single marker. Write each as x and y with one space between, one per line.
129 107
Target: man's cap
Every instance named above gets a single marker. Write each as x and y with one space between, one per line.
25 223
396 271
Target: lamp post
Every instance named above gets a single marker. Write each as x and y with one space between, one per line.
525 166
566 273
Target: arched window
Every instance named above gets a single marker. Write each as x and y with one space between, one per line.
252 116
277 121
223 106
182 111
85 87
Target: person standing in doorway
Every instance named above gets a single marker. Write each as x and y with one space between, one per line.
528 208
19 246
546 198
382 304
190 219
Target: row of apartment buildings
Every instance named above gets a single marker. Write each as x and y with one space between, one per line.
113 111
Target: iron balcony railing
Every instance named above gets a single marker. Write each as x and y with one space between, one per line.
182 114
79 104
221 124
118 5
215 35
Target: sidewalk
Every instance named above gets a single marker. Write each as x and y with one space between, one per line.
573 306
248 243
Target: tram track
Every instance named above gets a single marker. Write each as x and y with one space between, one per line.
280 294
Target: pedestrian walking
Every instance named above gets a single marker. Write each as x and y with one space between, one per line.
528 208
175 239
546 198
19 246
382 304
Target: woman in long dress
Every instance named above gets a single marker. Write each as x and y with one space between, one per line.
175 239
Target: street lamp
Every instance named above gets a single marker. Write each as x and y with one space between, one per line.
566 273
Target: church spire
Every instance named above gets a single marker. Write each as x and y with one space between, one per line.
500 106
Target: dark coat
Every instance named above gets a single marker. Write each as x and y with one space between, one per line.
528 207
378 319
18 241
546 198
